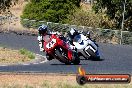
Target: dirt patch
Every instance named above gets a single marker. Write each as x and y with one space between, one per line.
15 11
34 80
13 24
9 56
50 81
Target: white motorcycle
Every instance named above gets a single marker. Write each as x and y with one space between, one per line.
86 47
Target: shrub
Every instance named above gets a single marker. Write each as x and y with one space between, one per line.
49 10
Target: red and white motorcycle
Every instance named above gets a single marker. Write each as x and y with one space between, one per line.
56 47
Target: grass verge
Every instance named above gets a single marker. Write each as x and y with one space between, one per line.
27 53
11 56
50 81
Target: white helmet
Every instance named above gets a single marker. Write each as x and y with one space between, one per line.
72 31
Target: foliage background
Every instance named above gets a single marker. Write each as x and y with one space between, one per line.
6 4
50 10
114 9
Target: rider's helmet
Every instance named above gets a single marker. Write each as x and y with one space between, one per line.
43 29
73 32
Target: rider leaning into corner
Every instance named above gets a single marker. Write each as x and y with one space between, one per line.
43 30
73 32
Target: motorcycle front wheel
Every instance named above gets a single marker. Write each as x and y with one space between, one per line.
60 57
49 57
93 56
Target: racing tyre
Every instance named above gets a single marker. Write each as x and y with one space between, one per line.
77 61
49 57
93 55
60 57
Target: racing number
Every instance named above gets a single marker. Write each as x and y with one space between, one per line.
51 44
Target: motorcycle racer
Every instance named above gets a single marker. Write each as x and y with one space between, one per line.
80 41
71 34
43 30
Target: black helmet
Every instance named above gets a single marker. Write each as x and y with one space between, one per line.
43 29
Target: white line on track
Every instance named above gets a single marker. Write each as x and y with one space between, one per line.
44 61
3 65
25 64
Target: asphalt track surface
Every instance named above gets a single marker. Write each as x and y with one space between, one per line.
115 58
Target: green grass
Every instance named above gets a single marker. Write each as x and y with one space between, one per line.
27 53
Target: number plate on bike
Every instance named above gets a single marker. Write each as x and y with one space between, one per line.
51 43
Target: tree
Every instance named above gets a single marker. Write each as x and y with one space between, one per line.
114 9
6 4
50 10
85 18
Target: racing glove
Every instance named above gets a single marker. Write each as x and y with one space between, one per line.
39 38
